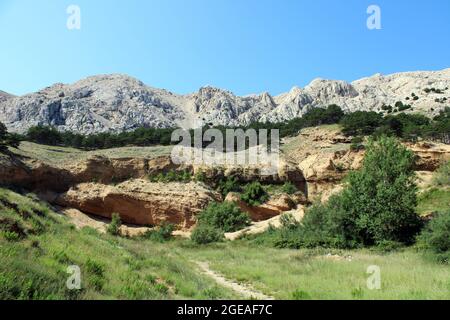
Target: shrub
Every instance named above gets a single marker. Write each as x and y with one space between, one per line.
436 236
114 226
200 176
378 205
289 188
324 225
161 234
254 194
442 175
225 216
204 234
357 143
230 184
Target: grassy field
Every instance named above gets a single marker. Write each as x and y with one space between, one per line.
37 246
325 274
60 156
34 265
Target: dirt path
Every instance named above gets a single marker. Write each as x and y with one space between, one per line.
245 291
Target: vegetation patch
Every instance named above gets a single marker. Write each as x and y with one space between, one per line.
114 226
226 216
161 234
254 194
378 205
172 176
435 238
204 234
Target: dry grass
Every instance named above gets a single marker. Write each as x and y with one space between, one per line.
61 156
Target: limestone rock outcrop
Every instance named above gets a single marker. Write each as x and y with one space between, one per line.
272 208
141 202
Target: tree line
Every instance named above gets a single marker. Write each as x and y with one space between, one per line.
358 123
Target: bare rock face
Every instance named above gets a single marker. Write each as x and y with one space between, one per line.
33 175
272 208
118 102
39 176
141 202
96 104
322 154
105 170
5 96
286 171
430 156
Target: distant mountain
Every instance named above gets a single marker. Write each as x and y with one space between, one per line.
118 102
5 96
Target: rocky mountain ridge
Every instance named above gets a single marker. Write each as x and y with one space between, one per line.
114 103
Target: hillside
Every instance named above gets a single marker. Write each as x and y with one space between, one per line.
5 96
59 213
37 245
118 102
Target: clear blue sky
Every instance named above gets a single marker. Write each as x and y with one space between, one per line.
246 46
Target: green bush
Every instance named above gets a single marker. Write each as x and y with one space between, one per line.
254 194
322 226
436 237
378 205
357 143
380 200
204 234
161 234
230 184
289 188
114 226
225 216
200 176
442 175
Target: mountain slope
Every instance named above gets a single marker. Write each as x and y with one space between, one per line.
5 96
118 102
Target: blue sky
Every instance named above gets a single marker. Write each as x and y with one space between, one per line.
246 46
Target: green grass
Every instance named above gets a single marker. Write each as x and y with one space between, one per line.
294 274
434 200
65 155
34 266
